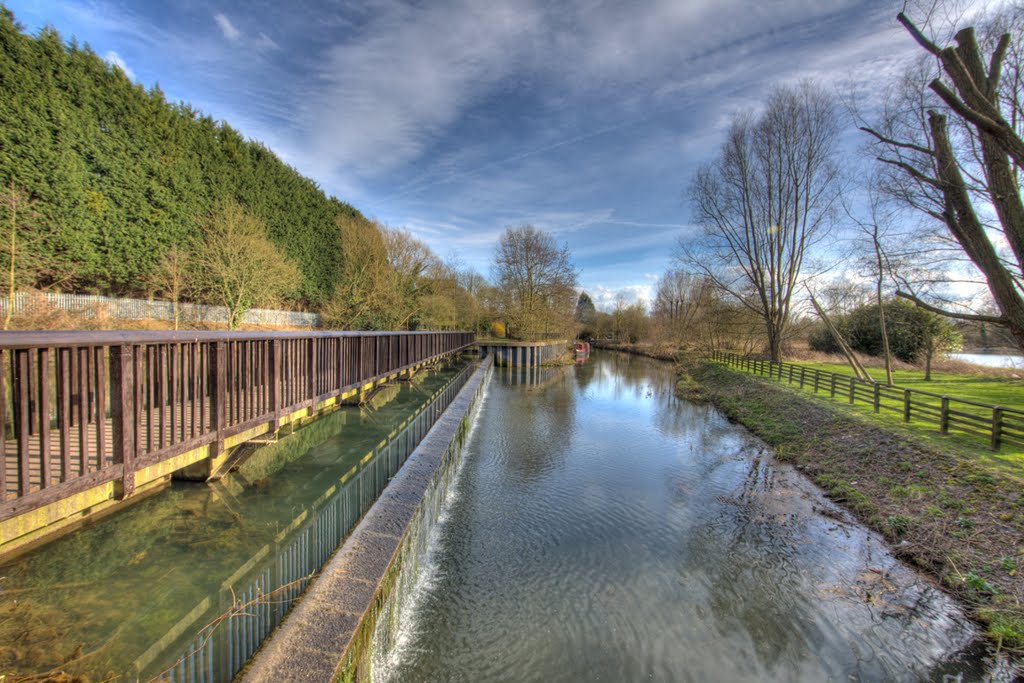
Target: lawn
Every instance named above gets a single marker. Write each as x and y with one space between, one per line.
997 391
1006 392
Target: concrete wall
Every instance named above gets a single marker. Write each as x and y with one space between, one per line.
523 354
329 635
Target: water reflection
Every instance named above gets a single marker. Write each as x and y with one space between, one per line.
602 529
107 600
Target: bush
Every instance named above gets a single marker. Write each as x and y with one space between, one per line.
913 332
498 330
821 340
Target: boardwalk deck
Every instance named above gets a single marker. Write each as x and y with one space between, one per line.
80 409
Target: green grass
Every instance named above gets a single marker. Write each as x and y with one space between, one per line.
1001 391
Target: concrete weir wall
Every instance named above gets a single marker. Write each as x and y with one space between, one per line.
329 635
523 354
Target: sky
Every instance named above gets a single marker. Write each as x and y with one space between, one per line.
457 119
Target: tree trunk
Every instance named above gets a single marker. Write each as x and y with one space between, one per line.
774 343
881 308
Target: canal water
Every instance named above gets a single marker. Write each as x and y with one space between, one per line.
601 529
184 585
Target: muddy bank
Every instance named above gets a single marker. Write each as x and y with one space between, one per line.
952 518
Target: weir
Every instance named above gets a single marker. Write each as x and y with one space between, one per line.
93 419
528 354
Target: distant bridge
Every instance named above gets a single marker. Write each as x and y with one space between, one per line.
92 418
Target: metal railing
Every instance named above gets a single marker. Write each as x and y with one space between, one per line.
253 602
80 409
996 424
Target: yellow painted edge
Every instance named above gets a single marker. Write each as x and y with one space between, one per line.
348 475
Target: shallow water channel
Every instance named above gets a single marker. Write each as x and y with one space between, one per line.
601 529
197 570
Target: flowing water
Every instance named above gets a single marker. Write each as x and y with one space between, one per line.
600 529
211 566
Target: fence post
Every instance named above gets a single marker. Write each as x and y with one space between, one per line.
122 415
944 418
832 385
816 376
906 405
997 427
852 380
876 398
802 372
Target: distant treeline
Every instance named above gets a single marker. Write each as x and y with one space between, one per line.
120 175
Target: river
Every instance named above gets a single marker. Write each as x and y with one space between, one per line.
601 529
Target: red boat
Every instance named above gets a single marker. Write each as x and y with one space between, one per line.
582 349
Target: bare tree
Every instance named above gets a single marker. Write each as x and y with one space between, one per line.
765 202
26 263
536 280
874 228
172 278
954 148
237 267
414 270
363 293
680 298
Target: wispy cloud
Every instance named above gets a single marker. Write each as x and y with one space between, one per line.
227 28
115 59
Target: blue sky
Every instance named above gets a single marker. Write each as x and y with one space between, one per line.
457 119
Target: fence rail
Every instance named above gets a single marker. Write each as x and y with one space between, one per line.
145 309
996 424
80 409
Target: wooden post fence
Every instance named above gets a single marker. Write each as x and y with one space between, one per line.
998 425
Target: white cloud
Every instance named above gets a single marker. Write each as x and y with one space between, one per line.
227 28
607 298
115 59
408 76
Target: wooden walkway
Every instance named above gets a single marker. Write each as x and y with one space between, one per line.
79 409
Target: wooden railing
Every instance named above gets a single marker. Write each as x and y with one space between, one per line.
995 424
79 409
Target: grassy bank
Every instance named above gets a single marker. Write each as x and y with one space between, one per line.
973 384
949 514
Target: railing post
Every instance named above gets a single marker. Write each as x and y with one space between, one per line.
944 417
122 414
218 393
876 398
997 427
275 381
906 405
313 358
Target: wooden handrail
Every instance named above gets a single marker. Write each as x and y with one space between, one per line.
97 405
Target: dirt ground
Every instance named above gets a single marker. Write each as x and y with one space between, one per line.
954 519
